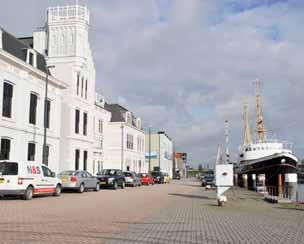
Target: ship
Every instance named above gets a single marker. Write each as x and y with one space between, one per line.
263 161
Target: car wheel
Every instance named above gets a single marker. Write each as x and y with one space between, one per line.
81 188
57 191
97 188
123 185
28 194
115 186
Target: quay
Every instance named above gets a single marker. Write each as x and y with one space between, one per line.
180 212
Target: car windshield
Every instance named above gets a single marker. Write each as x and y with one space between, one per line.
67 172
107 172
209 177
156 173
143 175
8 168
127 174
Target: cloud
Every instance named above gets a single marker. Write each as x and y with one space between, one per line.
187 66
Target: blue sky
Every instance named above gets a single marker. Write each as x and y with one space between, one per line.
185 66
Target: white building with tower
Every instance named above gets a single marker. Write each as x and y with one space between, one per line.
77 117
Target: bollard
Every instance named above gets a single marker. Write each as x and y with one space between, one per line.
280 187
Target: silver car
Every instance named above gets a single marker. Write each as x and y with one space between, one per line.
78 180
132 179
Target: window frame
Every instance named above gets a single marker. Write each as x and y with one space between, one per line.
7 101
33 110
46 169
29 154
6 151
85 124
85 160
77 121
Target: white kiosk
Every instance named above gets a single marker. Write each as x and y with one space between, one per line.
223 181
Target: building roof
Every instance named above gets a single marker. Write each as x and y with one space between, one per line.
117 112
27 40
164 133
18 48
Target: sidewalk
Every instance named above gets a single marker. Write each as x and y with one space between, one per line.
194 217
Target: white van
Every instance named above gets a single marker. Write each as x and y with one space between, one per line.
27 179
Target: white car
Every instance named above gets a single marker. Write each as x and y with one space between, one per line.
27 179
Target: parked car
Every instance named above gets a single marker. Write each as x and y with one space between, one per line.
176 176
78 180
208 181
27 179
131 179
111 178
146 179
158 177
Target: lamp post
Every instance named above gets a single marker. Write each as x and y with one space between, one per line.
44 151
149 149
122 146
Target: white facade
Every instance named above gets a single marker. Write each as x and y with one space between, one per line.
101 125
166 152
25 80
125 146
74 137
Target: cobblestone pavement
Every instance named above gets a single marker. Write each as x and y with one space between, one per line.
181 212
194 217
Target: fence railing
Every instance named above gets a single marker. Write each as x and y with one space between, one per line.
274 194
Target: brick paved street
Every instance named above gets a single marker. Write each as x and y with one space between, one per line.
181 212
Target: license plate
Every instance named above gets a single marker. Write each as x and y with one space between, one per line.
102 183
64 179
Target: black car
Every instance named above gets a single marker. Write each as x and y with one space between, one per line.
158 177
176 176
111 178
208 180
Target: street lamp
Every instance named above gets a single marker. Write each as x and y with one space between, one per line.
149 149
122 146
44 150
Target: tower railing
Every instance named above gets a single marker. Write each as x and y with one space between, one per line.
69 12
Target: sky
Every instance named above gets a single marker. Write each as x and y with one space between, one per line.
186 66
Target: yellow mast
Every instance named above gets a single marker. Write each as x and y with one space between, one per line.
260 127
247 135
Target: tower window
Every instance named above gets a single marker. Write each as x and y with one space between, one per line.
86 89
82 80
78 81
77 118
85 124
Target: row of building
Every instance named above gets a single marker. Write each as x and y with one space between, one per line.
83 130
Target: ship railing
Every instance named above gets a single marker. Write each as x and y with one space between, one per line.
286 146
274 195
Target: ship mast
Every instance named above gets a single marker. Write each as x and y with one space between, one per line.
260 126
247 135
227 141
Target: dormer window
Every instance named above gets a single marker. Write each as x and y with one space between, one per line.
138 123
31 57
129 118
